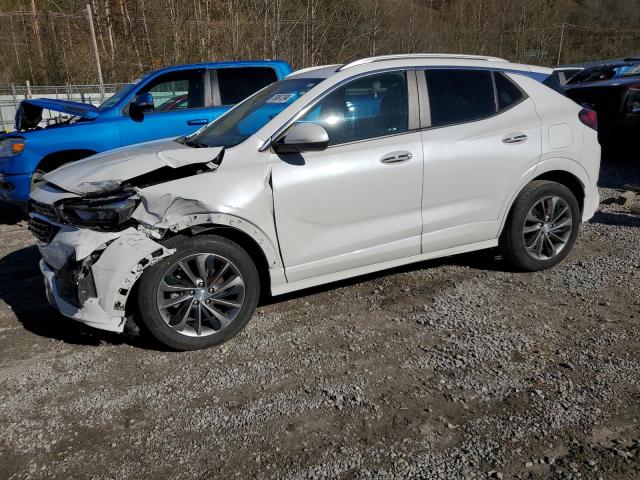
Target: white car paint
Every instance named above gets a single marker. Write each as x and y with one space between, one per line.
340 213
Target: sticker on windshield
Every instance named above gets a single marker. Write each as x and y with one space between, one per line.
281 98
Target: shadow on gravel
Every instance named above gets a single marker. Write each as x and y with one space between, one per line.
22 288
487 260
10 215
619 171
616 219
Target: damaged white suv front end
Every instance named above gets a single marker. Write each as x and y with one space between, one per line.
99 223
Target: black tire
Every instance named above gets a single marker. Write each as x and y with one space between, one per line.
512 240
150 316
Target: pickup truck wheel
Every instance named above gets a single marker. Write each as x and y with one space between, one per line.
200 296
542 226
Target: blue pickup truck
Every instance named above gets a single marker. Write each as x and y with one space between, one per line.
170 102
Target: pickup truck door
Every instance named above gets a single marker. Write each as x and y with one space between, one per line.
182 104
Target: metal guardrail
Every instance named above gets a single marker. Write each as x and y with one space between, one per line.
12 95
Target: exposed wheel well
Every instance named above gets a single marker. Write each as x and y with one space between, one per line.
568 180
250 246
237 236
57 159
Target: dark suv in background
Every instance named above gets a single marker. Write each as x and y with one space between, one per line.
612 89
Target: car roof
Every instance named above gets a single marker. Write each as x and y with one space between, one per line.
222 64
416 60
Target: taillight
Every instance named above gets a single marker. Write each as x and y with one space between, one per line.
589 118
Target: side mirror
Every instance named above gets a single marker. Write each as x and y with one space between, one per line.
303 137
143 102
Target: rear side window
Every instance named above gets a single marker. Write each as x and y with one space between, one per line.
236 84
458 96
507 92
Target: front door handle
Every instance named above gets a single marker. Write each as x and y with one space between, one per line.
515 138
396 157
197 121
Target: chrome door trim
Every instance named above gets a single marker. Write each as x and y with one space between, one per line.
394 158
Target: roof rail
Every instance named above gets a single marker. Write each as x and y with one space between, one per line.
381 58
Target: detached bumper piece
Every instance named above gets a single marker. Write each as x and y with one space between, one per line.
65 297
75 283
94 290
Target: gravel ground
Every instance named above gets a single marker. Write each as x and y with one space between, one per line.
456 368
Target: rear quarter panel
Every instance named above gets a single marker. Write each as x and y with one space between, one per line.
562 139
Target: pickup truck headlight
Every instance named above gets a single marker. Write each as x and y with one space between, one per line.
102 213
12 146
633 103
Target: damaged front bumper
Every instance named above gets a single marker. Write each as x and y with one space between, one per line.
89 275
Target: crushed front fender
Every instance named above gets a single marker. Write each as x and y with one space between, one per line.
114 260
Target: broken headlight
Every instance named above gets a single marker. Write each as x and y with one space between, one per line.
102 213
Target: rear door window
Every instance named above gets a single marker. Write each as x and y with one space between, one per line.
508 93
236 84
459 96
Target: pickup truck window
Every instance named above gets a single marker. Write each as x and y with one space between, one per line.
178 90
116 97
251 115
236 84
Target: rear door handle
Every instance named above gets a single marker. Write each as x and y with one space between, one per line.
197 121
396 157
515 138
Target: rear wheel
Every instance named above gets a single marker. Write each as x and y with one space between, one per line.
200 296
542 226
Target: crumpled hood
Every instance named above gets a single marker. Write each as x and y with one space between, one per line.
107 171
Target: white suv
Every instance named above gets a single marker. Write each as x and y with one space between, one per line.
333 172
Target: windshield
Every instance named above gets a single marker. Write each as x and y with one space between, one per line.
116 97
251 115
606 72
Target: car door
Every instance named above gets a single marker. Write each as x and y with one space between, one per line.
357 202
182 105
483 136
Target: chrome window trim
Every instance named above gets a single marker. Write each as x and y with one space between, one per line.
413 107
423 100
215 87
495 91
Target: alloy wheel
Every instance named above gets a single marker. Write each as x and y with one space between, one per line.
201 294
547 227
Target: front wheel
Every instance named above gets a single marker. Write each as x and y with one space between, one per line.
200 296
542 226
